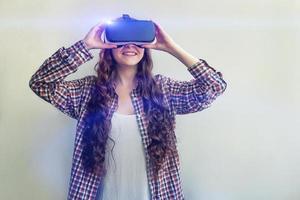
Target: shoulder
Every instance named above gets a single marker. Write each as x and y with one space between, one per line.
91 79
163 81
166 81
160 79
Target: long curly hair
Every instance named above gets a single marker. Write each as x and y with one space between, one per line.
160 128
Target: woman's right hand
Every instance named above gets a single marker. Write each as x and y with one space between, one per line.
93 38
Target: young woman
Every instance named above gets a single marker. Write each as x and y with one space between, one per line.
125 144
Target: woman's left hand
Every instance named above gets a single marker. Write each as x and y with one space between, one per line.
163 41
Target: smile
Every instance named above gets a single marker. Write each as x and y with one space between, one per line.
129 53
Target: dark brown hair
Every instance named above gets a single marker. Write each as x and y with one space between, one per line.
160 128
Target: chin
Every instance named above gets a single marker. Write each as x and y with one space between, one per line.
130 63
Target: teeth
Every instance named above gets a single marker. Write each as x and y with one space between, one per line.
129 53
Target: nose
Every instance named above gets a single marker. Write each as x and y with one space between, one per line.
129 45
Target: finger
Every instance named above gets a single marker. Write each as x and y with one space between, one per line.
159 29
155 23
157 26
102 26
100 23
100 29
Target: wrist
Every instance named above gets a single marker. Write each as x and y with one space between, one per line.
86 44
186 58
174 50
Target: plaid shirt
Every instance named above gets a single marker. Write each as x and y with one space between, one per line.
71 97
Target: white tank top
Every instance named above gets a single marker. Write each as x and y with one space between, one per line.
126 177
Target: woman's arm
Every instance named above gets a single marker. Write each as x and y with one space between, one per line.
196 94
49 84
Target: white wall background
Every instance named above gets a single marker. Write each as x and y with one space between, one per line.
245 146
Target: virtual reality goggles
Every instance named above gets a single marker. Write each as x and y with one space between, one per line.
126 30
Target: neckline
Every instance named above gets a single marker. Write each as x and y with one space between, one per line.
124 115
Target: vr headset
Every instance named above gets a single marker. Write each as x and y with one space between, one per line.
127 30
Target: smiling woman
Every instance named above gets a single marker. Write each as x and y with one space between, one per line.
129 106
128 55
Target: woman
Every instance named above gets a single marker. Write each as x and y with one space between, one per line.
125 144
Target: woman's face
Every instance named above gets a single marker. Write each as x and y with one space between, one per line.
128 55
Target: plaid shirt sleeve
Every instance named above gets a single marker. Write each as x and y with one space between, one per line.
49 84
196 94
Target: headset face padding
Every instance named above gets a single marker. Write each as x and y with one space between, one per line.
127 30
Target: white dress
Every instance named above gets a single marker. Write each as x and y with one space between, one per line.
126 177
